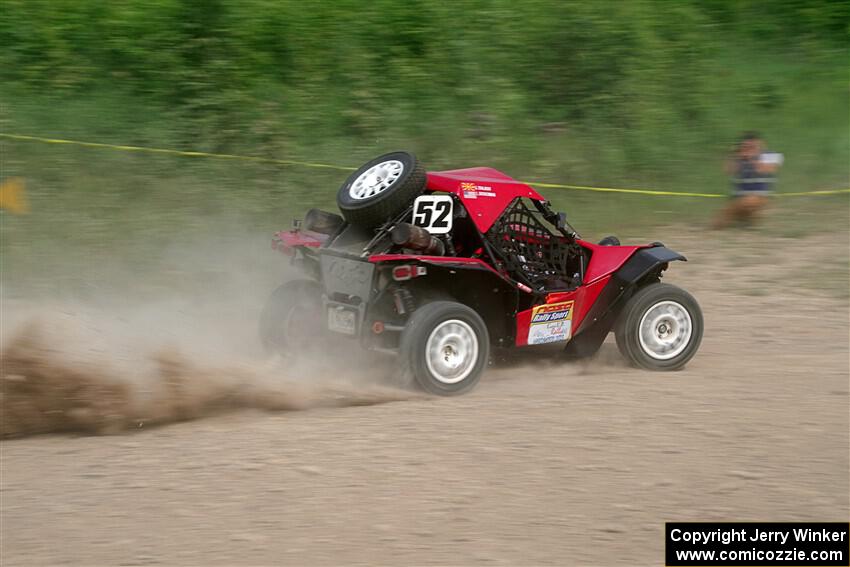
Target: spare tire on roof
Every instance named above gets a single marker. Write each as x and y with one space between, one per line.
381 189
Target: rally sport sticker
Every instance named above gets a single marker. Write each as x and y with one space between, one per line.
551 323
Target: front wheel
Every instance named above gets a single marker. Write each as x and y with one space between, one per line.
660 327
445 346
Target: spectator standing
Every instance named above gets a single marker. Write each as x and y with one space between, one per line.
753 174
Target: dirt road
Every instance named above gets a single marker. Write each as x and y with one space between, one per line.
542 464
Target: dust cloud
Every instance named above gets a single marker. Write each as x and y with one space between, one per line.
139 352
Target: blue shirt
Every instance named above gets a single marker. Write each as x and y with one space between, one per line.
748 180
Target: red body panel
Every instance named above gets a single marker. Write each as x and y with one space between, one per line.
286 240
445 260
584 298
484 191
374 258
605 260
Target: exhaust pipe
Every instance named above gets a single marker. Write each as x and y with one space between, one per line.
417 238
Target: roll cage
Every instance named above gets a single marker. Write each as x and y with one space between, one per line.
529 243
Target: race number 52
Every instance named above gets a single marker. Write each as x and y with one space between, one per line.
434 213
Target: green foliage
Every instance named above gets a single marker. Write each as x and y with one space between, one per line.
634 88
644 93
225 67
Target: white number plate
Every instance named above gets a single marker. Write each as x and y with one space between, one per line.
342 321
434 213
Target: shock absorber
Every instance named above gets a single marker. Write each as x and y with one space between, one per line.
404 302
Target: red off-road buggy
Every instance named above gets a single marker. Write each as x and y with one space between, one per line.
443 267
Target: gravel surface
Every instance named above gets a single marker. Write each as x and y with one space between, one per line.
542 464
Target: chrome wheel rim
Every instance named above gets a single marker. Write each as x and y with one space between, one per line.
451 351
665 330
375 180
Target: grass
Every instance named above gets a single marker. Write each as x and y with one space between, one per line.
93 210
95 207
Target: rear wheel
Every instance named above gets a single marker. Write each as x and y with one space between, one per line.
291 322
381 189
660 327
445 347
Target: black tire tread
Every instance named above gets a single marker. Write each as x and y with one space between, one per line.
375 214
626 325
279 303
420 325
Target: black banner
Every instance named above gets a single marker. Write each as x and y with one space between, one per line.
762 544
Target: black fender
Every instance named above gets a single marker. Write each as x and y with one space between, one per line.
646 263
475 285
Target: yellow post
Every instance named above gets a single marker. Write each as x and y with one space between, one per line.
12 196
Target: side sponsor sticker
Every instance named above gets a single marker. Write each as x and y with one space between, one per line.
551 323
473 191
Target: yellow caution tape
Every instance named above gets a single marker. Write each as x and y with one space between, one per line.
618 190
173 152
676 193
256 159
819 192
